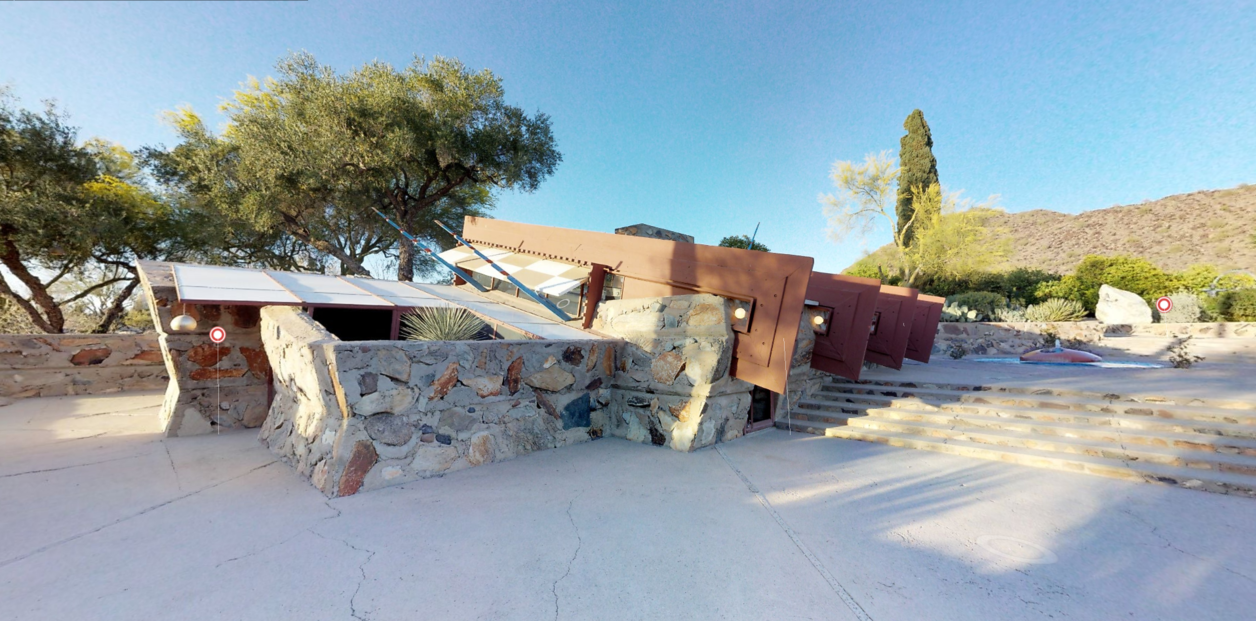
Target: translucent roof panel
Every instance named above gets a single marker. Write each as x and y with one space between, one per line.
228 284
320 289
399 293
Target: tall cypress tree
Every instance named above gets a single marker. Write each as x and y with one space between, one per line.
918 167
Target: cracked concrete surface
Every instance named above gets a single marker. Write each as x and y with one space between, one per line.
103 519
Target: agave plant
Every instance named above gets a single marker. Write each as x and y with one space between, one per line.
1056 309
440 324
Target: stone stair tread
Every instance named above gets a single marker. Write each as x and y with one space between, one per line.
1195 412
1067 461
1059 395
1134 423
1138 451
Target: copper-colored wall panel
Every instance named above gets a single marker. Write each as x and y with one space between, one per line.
897 309
654 267
924 327
854 301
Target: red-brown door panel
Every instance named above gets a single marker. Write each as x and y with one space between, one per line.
896 310
852 302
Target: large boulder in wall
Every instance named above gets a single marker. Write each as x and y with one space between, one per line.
1118 306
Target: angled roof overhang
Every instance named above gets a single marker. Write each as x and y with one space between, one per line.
895 312
850 303
213 284
772 285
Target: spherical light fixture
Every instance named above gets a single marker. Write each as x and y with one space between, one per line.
818 320
183 323
739 313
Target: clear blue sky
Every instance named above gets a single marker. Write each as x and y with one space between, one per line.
706 117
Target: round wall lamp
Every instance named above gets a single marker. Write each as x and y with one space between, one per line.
739 313
818 320
183 323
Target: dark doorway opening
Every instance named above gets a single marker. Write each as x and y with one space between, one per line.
762 403
356 324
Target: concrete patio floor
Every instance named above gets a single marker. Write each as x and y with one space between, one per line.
105 519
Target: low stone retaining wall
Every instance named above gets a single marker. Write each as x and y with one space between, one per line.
54 365
1005 339
359 416
356 416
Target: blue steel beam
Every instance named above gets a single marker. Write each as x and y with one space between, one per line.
453 268
522 287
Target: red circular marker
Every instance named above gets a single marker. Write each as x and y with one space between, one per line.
217 334
1164 304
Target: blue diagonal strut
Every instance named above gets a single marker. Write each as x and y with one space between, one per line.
453 268
522 287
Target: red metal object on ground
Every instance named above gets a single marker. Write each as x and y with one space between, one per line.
924 327
851 303
896 311
773 285
1059 355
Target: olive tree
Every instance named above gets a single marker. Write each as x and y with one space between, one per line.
314 152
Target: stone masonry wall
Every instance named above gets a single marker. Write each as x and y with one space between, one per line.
359 416
672 386
224 385
53 365
1006 339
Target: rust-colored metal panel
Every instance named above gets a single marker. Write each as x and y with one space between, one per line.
775 283
896 310
852 302
924 328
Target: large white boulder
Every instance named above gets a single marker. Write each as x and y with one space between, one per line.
1121 307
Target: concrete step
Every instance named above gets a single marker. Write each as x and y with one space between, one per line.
1127 452
1135 400
938 398
1214 481
1142 429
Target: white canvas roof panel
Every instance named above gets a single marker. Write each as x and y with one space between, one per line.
556 277
215 284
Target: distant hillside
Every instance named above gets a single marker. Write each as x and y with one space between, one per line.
1213 226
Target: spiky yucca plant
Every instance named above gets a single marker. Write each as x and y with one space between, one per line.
1056 309
440 324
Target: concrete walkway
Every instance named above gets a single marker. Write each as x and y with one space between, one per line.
1217 382
104 519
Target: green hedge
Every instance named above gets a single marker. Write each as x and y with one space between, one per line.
1239 305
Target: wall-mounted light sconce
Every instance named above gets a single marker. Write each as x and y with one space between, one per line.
183 323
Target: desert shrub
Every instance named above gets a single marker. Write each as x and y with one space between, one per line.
960 314
956 351
984 302
1056 309
865 269
1186 308
1132 274
440 324
1018 284
1239 305
1022 284
1010 315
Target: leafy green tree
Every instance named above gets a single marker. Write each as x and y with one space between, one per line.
744 242
312 152
919 169
953 237
73 219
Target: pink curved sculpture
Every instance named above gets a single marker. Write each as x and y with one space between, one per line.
1059 355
